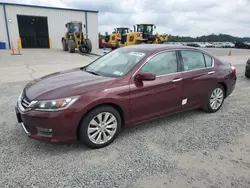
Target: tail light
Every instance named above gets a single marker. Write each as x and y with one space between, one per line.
233 70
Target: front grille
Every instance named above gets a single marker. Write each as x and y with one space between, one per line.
25 103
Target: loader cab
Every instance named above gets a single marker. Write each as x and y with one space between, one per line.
74 27
121 30
147 31
145 28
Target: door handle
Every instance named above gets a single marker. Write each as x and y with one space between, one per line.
211 72
177 80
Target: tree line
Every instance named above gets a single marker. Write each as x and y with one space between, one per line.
203 38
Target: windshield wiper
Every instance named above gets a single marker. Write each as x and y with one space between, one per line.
92 72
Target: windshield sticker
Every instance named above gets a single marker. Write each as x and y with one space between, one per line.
118 73
137 54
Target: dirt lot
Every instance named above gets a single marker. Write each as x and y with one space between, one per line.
191 149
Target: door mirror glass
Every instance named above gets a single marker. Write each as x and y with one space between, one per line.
145 76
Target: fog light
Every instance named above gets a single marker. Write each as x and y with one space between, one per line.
44 130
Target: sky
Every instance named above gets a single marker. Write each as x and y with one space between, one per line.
175 17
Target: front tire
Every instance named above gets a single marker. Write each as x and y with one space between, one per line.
215 99
88 45
64 44
100 127
71 46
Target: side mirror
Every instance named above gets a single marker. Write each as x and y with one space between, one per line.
154 26
84 26
66 25
145 76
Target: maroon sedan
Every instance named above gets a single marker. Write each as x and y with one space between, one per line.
129 85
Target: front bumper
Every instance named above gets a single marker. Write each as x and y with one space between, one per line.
55 127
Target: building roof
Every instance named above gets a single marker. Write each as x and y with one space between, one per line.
47 7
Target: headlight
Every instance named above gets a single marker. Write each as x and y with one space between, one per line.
55 105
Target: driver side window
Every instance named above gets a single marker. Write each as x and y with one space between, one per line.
161 64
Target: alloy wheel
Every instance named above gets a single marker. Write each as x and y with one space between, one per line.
216 98
102 128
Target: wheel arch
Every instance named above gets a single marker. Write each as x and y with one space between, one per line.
224 85
112 104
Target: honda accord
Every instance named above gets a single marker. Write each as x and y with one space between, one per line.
129 85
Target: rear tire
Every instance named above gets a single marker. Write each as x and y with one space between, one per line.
64 44
91 131
215 99
71 46
88 45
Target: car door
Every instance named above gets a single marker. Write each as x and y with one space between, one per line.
163 95
198 76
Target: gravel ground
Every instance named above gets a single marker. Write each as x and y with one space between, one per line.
191 149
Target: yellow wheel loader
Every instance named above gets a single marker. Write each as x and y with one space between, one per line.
74 38
143 33
113 40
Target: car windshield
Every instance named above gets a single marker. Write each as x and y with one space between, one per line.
116 63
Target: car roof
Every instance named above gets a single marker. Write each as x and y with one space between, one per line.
157 47
154 48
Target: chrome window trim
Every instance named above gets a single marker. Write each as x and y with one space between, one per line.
151 56
167 74
199 68
212 60
175 49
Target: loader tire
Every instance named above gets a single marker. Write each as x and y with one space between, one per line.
64 44
71 46
82 49
117 45
88 46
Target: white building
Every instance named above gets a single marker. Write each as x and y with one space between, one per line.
43 27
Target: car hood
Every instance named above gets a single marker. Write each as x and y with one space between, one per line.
64 84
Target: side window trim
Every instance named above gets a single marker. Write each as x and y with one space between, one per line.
165 51
179 61
204 59
211 59
182 63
